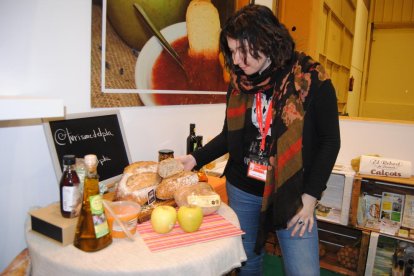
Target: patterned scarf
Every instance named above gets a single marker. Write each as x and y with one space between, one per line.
291 87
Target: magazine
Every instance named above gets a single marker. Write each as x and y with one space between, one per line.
408 215
392 207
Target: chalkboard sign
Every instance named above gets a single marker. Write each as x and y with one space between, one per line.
98 133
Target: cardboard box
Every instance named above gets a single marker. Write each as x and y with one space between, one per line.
49 222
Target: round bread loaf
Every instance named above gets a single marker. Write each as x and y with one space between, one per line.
135 187
169 167
169 185
141 167
20 265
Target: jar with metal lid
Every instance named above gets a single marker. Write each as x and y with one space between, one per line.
164 154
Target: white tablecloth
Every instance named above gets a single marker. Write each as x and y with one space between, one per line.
124 257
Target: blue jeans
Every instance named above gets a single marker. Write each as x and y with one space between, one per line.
300 254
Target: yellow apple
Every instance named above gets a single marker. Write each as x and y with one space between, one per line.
163 219
190 217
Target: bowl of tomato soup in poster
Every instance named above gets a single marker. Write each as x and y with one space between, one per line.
161 81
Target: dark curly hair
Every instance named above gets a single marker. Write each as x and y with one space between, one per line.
259 27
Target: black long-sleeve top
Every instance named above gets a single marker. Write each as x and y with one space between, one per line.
320 146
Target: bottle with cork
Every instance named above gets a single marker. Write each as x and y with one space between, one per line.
92 231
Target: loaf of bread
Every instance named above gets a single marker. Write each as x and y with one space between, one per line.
168 186
169 167
200 194
203 29
141 166
135 187
20 265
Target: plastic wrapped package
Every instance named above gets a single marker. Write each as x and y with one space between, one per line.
201 194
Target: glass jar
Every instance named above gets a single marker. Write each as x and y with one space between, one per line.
164 154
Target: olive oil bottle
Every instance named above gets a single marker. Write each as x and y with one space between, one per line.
92 231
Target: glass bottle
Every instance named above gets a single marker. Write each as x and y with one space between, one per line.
191 140
69 188
92 231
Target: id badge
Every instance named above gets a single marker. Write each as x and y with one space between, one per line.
257 169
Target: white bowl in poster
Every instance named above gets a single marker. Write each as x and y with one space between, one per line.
148 56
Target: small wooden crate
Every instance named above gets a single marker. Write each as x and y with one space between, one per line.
376 185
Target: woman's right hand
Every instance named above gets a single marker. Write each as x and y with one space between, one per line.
188 161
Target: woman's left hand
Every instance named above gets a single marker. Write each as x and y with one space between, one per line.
304 219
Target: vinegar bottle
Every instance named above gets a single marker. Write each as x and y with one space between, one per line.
191 140
92 231
69 188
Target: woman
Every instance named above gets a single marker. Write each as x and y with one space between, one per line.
281 131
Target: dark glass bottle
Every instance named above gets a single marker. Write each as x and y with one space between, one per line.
69 188
191 140
92 231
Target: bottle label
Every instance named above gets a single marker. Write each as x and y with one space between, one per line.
99 219
81 174
69 198
204 201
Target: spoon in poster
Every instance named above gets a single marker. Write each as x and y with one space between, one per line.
118 220
167 46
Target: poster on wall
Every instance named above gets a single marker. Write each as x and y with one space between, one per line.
131 67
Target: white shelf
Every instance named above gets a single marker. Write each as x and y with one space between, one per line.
28 107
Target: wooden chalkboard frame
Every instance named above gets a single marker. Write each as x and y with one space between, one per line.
105 124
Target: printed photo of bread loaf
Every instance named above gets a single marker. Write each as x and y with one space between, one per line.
203 29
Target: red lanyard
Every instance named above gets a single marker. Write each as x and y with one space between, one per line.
259 111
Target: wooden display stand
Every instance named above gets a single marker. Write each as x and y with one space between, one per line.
376 185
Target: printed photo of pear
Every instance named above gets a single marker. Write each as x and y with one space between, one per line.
130 26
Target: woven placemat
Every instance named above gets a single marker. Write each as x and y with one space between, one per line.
119 66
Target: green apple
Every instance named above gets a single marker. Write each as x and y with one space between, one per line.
163 219
190 217
129 24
